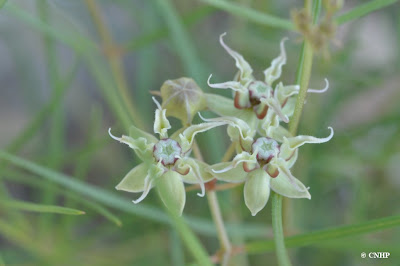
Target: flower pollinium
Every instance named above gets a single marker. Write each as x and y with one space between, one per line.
259 90
264 149
167 151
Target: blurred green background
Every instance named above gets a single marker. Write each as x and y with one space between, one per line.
69 70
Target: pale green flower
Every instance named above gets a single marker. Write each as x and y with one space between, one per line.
257 102
264 164
166 161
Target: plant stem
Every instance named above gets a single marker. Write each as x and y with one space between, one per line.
303 80
212 200
219 223
281 252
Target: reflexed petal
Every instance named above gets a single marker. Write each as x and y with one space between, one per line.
134 180
161 123
190 178
234 175
283 168
289 144
241 63
281 185
172 191
197 173
187 136
256 190
275 70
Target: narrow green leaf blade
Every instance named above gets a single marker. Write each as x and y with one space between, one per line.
328 234
34 207
252 15
363 10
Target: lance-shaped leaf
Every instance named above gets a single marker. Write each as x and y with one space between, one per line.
256 190
172 191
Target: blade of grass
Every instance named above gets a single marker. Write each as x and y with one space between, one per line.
363 10
31 181
112 200
57 130
328 234
252 15
34 207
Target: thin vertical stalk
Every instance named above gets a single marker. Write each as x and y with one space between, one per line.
114 59
281 252
213 204
302 78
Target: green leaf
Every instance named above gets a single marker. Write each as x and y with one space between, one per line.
363 10
327 234
252 15
33 207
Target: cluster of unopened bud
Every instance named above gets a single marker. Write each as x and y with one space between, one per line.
320 34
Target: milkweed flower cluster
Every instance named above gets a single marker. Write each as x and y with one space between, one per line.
266 151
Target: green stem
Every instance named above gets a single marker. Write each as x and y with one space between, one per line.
303 79
219 223
212 199
281 252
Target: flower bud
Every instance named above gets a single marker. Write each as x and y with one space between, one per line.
182 98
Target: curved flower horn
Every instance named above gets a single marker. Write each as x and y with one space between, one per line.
161 123
148 183
239 158
187 136
320 91
244 67
125 139
275 70
298 141
246 133
275 105
233 85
